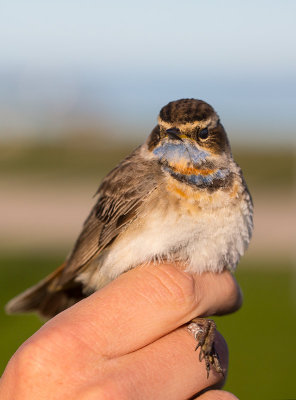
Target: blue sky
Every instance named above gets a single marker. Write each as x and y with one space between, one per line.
127 59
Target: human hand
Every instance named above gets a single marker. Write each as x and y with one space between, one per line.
126 341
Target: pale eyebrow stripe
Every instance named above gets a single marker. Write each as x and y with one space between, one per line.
208 123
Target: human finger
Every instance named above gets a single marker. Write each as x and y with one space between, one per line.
217 395
166 369
143 305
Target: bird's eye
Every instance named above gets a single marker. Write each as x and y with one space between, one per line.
203 134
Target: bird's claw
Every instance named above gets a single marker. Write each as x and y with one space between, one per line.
203 331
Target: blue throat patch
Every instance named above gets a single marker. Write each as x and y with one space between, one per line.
170 153
198 180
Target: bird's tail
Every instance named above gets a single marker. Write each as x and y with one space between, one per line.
46 297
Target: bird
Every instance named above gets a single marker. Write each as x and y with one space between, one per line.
178 197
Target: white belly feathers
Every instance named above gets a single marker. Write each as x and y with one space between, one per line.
206 238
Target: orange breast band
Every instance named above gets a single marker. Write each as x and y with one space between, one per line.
183 168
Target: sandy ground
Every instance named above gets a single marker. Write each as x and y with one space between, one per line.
35 215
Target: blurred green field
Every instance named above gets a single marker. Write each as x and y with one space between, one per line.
261 336
264 168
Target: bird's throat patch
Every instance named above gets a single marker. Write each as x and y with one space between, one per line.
180 153
210 180
184 162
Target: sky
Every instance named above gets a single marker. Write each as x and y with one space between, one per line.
122 61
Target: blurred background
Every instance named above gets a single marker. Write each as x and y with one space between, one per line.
81 84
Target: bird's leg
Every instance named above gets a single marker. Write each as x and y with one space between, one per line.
203 331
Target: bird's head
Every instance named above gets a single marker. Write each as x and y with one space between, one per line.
189 138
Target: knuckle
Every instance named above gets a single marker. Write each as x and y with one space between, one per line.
173 285
233 295
26 360
36 352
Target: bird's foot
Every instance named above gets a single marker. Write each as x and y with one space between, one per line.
203 331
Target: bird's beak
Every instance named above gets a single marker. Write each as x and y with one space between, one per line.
174 133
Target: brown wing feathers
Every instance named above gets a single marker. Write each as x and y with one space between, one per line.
119 197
